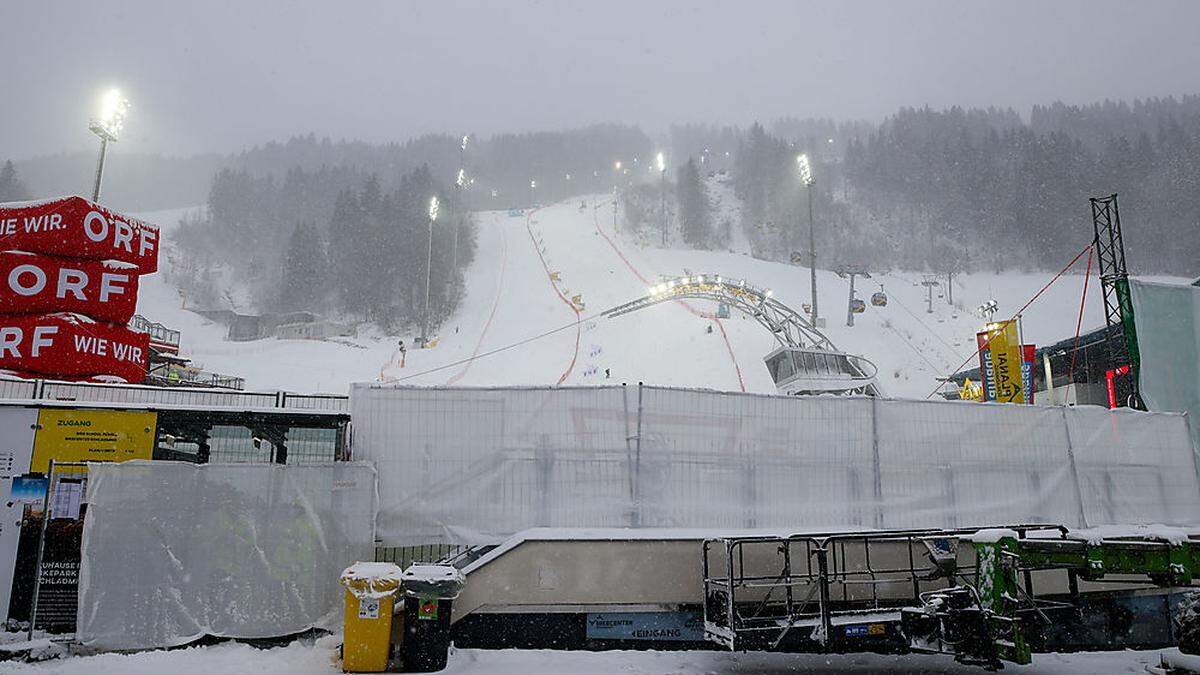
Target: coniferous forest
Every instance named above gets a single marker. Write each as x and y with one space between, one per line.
342 227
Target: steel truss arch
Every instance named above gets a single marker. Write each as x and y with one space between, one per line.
817 366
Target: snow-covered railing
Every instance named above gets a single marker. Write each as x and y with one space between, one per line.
133 394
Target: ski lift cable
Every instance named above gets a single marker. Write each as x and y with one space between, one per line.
914 348
954 353
507 347
1079 322
1018 313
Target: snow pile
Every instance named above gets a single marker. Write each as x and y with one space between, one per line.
1166 533
991 536
371 579
321 659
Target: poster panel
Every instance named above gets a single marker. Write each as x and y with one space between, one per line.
16 447
1001 362
66 435
82 435
1028 357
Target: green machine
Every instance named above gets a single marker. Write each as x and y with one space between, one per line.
983 596
989 622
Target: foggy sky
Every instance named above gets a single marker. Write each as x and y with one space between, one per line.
220 76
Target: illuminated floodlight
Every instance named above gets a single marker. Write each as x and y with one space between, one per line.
433 208
805 168
464 142
462 177
617 165
532 184
661 162
113 109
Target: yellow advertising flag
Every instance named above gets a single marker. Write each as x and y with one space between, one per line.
83 435
1006 363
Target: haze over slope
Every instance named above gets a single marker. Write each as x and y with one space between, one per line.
511 297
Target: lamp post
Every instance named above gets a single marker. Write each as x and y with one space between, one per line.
806 178
661 162
460 183
113 108
433 214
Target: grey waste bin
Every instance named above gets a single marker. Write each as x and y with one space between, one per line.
429 593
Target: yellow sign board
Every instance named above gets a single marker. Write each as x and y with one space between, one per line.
80 435
1005 347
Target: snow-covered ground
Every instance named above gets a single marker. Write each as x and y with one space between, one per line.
511 297
302 659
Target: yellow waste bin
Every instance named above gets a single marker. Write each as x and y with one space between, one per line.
370 597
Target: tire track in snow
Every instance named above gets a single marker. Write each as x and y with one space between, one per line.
558 292
495 304
729 347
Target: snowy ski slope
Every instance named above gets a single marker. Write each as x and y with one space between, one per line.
511 296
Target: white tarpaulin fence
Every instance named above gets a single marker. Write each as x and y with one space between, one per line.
1167 318
466 465
173 551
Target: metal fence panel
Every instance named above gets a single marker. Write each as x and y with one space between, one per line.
464 466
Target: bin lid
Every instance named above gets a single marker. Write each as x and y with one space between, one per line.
371 579
442 581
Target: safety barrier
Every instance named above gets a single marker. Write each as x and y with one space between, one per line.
134 394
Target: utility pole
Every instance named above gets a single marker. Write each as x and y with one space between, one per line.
108 127
929 284
950 288
851 272
100 168
461 184
614 205
662 172
433 214
806 178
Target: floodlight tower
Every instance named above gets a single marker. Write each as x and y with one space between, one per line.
113 108
806 178
532 187
460 183
661 163
433 214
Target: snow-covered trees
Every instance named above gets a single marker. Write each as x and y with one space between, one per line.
11 187
695 208
331 241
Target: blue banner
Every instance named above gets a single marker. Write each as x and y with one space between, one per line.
675 626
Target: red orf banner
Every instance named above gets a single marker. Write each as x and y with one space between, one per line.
74 227
72 346
38 284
